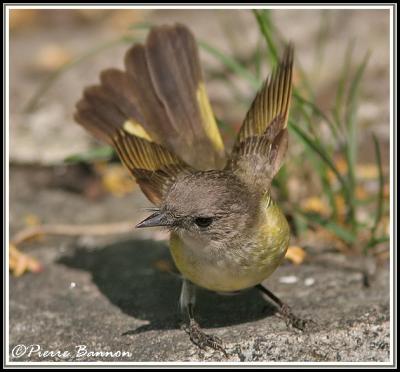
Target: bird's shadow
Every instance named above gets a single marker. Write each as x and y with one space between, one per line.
128 274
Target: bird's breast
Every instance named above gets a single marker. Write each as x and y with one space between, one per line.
238 265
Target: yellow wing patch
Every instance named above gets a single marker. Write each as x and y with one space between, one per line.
133 127
209 123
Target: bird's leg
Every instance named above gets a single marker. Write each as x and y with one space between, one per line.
284 310
197 336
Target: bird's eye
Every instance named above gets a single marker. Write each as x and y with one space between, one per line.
203 221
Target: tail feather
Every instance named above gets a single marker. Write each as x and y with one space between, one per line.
155 119
161 91
167 81
155 114
90 113
179 57
122 93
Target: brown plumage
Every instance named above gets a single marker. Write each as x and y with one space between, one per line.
262 141
157 116
226 232
156 113
272 101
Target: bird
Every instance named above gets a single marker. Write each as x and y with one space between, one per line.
227 234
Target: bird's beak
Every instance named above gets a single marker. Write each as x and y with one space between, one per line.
156 219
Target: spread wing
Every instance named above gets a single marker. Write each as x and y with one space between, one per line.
262 141
161 93
173 66
156 112
154 167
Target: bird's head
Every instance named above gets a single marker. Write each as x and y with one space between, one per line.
211 205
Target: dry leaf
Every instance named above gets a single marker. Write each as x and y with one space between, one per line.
367 171
322 239
123 19
51 57
386 191
341 208
21 263
92 15
23 18
31 220
361 192
295 254
316 205
115 179
341 166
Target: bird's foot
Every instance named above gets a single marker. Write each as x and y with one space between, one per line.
294 321
203 340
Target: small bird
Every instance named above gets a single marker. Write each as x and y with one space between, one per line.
227 233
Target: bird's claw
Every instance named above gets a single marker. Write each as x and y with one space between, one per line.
203 340
294 321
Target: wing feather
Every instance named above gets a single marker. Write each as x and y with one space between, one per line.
262 141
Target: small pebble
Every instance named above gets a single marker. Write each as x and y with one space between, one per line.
288 279
309 281
72 285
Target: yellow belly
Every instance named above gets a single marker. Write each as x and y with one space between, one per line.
230 271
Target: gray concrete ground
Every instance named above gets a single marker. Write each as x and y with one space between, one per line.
108 295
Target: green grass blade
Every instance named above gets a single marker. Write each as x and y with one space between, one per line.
258 59
141 26
338 108
267 29
309 142
327 188
351 144
379 207
340 231
379 240
231 63
96 154
317 111
351 110
304 82
321 40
